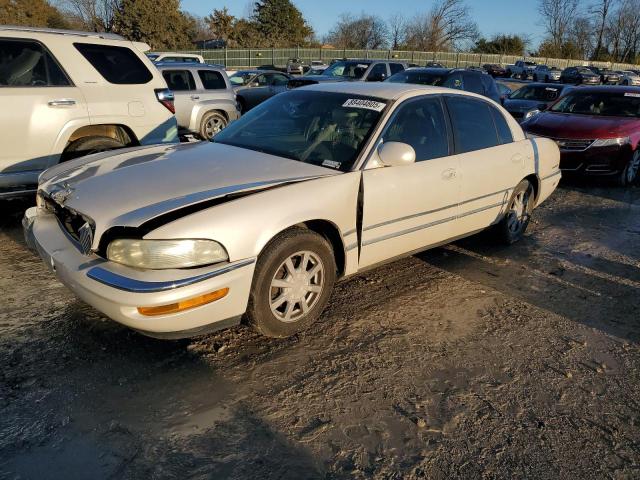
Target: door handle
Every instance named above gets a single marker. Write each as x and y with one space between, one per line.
62 102
195 97
449 174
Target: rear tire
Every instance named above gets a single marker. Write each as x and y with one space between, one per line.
630 173
292 283
512 227
212 123
88 145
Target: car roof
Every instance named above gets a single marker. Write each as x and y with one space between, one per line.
559 86
58 31
384 90
166 65
609 88
177 54
429 69
256 71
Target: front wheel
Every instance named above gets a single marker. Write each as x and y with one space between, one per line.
512 227
630 172
88 145
293 281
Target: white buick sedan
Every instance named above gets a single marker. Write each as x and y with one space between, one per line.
312 186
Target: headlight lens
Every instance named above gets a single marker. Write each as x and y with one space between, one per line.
531 113
165 254
608 142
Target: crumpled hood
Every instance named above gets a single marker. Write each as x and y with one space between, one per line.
561 125
133 186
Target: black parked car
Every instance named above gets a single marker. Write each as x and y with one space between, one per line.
434 65
607 76
579 76
533 98
468 80
494 70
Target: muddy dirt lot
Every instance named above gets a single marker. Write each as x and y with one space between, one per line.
469 361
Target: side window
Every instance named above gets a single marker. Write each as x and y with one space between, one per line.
504 131
473 83
262 80
25 63
455 80
395 68
421 124
377 73
279 80
179 80
473 125
118 65
212 80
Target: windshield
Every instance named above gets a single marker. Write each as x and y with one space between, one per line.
241 78
537 93
606 104
346 69
321 128
585 70
419 77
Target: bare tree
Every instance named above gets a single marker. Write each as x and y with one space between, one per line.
556 17
397 26
444 27
96 15
601 10
622 34
581 36
363 32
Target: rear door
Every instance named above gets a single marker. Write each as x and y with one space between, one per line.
183 86
38 100
409 207
491 164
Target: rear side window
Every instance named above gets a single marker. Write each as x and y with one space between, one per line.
395 68
179 80
212 80
378 72
504 132
421 124
473 124
118 65
25 63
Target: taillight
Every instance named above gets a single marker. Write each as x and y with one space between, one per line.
166 98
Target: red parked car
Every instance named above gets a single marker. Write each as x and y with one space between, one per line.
597 130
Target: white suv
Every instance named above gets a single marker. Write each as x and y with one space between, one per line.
66 94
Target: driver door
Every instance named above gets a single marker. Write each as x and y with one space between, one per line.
407 208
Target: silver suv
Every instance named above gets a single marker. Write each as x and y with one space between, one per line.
204 98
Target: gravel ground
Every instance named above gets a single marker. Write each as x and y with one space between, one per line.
468 361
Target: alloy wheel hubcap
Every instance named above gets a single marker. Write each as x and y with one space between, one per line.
214 125
519 211
296 286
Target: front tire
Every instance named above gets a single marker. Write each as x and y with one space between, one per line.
293 281
88 145
630 173
512 227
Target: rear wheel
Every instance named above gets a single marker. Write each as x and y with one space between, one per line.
630 172
512 227
88 145
292 283
212 123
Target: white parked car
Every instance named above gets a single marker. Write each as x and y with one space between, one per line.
65 94
313 185
627 77
175 57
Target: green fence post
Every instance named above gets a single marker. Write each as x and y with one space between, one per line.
273 56
226 59
250 59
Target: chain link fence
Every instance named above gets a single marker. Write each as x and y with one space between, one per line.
235 58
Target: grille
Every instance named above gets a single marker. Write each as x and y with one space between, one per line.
572 144
74 224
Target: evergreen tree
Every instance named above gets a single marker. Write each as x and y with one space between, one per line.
281 24
31 13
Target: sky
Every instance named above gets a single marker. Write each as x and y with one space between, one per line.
492 16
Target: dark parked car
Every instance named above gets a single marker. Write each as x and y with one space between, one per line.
255 86
494 70
434 65
468 80
352 70
597 130
579 76
533 98
607 76
504 91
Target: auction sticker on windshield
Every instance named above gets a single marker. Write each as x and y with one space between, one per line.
368 104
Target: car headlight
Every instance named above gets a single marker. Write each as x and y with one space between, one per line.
609 142
531 113
165 254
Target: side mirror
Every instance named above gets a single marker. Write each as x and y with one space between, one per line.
396 154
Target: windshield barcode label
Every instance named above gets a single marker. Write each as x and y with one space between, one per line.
368 104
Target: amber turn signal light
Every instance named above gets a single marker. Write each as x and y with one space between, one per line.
185 304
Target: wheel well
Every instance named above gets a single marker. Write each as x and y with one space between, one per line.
121 133
535 182
221 112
